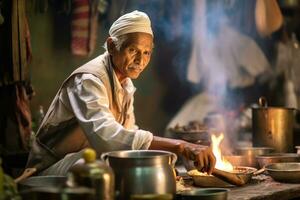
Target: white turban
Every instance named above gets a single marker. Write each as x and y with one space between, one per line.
132 22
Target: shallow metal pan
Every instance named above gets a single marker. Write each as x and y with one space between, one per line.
242 173
284 172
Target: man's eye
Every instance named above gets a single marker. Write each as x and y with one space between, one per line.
132 50
147 53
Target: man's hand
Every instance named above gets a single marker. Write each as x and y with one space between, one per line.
203 157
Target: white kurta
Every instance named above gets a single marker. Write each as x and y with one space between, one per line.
86 98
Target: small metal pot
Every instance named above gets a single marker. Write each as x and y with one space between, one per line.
204 194
267 159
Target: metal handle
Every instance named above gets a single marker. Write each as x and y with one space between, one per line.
262 101
262 170
173 159
104 157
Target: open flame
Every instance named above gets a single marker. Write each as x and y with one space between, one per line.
221 162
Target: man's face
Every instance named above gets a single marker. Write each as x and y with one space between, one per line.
134 55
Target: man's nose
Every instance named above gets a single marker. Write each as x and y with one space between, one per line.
138 58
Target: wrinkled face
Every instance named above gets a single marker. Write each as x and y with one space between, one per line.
133 56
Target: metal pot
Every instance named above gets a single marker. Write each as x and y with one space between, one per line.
142 172
93 174
273 126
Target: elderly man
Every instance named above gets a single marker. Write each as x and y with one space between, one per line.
94 106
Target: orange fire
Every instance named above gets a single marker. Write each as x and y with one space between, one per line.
221 162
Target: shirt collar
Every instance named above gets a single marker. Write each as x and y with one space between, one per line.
126 85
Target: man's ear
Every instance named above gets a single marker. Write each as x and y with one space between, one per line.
111 47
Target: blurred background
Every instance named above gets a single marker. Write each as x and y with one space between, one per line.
209 56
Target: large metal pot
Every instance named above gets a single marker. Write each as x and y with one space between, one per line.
142 172
273 127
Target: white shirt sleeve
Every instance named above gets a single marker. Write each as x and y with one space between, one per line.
90 103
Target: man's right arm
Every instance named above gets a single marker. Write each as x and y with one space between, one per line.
203 157
90 103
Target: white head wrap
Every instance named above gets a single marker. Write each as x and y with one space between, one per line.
132 22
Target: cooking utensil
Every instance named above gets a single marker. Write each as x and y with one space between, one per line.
273 126
250 154
142 172
204 194
253 151
240 176
264 160
239 160
27 172
93 174
42 182
284 172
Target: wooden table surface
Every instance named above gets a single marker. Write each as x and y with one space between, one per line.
261 187
266 189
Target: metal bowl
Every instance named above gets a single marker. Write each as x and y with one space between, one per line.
267 159
250 154
204 194
241 160
284 172
253 151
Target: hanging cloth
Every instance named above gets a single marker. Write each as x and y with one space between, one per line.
84 27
